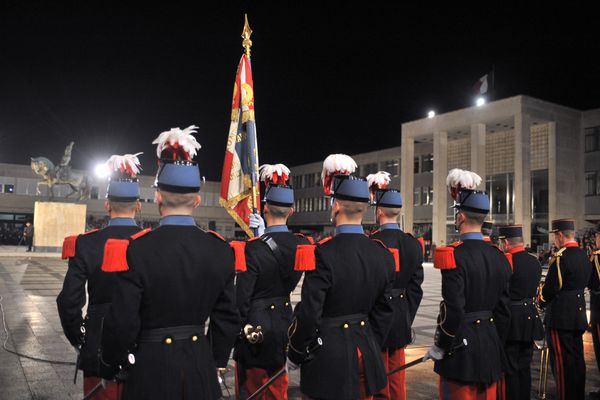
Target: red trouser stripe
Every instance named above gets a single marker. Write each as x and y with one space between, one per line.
558 365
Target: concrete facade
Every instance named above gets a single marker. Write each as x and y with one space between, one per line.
18 196
530 153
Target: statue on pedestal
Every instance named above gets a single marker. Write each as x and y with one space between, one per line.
60 175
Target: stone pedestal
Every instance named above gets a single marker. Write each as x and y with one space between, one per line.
53 221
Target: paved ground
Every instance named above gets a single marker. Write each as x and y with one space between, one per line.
29 285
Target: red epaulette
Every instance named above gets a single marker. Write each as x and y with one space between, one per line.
395 253
487 239
239 251
422 243
68 248
444 258
455 244
115 252
509 257
305 256
215 234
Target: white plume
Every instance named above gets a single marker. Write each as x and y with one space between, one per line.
460 178
268 170
381 179
339 163
181 138
126 163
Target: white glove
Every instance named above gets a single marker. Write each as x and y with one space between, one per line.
434 353
290 366
256 222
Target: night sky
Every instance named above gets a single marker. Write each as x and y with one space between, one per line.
329 77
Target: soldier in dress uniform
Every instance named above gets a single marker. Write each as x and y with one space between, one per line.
565 320
263 290
486 230
169 282
85 253
475 302
345 311
406 292
594 287
525 323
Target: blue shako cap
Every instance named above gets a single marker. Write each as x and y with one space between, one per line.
279 195
473 201
349 187
123 186
391 198
178 176
177 172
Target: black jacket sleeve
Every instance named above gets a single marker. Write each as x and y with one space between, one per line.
414 290
71 299
381 315
245 283
501 311
452 307
224 323
122 323
552 284
308 314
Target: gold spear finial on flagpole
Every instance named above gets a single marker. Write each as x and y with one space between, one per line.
246 43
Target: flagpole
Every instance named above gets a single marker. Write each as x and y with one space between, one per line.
247 44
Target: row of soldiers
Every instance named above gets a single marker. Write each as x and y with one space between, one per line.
152 292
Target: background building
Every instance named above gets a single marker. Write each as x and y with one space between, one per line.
18 196
539 161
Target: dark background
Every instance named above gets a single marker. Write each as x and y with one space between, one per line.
329 77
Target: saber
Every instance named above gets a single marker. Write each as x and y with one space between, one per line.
267 384
77 362
100 386
423 359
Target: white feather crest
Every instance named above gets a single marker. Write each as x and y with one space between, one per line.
465 179
126 163
268 170
381 179
181 137
338 163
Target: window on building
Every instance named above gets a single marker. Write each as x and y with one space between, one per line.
417 197
425 195
391 166
369 169
94 193
590 184
430 196
416 169
310 180
8 188
427 163
592 139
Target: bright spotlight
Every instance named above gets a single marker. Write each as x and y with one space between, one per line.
101 170
431 114
480 101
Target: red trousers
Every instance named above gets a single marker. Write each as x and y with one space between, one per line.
254 379
112 391
396 387
452 390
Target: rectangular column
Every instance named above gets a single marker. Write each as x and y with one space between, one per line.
478 152
440 191
522 181
407 181
552 182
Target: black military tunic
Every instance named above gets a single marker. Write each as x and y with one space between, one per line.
346 303
178 276
407 290
84 266
563 298
594 286
525 323
263 296
475 307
